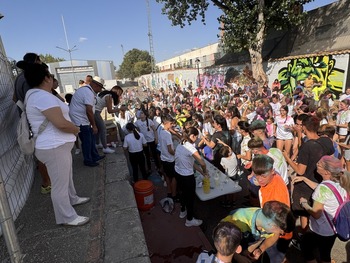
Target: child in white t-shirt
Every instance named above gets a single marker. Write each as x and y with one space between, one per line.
229 161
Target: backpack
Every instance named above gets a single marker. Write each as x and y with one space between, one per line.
341 221
25 136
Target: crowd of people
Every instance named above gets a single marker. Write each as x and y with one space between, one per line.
285 146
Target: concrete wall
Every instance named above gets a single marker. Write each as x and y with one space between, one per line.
332 70
206 55
69 79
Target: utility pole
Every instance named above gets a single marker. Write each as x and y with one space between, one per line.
198 75
151 48
122 50
69 50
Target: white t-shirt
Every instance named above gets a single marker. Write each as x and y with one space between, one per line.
77 108
280 164
324 195
245 148
208 128
132 144
101 102
165 139
51 137
284 128
184 160
147 131
342 118
157 120
230 165
275 108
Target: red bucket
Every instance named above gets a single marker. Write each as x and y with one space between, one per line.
144 194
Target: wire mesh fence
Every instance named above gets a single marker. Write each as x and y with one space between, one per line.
16 170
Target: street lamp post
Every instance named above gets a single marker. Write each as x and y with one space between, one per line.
69 50
198 76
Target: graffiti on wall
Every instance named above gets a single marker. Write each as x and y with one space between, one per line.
322 68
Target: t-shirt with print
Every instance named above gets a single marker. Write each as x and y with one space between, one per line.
324 195
101 102
245 220
342 118
284 128
279 164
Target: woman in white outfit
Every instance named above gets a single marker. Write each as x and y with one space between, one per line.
284 134
54 144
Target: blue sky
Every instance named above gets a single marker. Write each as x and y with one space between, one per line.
99 28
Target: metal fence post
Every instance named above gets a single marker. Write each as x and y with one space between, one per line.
8 227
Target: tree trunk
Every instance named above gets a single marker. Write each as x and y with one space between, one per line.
257 66
255 51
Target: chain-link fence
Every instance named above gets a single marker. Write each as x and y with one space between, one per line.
16 171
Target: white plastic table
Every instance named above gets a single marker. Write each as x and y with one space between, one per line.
225 184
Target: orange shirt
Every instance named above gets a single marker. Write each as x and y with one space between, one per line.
275 190
278 191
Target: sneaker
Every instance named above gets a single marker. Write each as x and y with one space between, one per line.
114 145
45 190
99 146
108 150
82 200
193 222
79 221
183 214
77 151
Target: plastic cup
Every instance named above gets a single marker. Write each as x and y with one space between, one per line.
206 185
217 179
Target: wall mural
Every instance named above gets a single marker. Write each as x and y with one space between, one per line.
322 69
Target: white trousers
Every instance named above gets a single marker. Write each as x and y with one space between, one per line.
59 163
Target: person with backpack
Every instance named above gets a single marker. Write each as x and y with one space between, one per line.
54 143
322 234
20 89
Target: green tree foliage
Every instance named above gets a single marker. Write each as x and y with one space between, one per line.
135 63
245 22
47 58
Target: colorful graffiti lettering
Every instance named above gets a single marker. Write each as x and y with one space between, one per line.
322 69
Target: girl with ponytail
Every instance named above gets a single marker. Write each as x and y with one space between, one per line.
133 147
185 156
